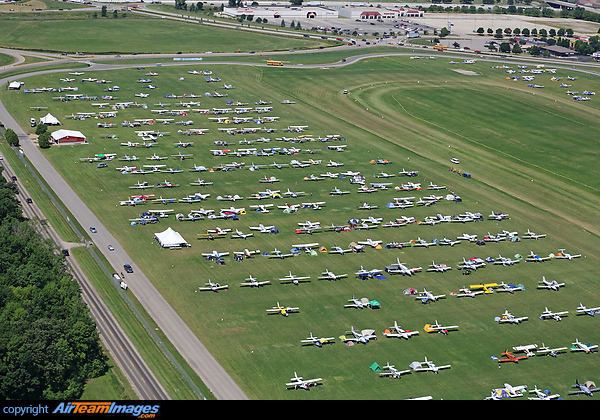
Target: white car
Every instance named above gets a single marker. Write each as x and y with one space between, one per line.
454 160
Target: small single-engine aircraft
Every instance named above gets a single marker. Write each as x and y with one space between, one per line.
359 337
471 264
215 287
254 283
439 267
278 254
588 311
197 168
427 366
397 332
246 253
542 395
339 250
270 179
431 328
435 187
587 348
467 237
315 341
548 314
532 235
363 274
372 243
337 191
510 318
536 258
298 382
552 285
508 391
215 254
201 183
328 275
262 228
426 296
293 194
466 292
550 351
511 357
285 311
505 260
588 388
392 372
156 157
446 241
404 270
240 234
294 279
499 216
564 255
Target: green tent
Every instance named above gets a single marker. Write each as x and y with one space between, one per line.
375 367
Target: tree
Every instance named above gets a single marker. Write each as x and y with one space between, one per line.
525 32
504 47
534 50
296 2
44 140
490 31
103 13
41 128
517 48
480 30
11 137
282 23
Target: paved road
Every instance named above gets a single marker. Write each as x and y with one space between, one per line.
171 324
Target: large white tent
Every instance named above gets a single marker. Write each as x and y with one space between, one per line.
170 239
49 119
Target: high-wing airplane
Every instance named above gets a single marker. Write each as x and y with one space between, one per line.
254 283
292 278
505 260
536 258
427 366
360 337
397 332
215 287
446 241
404 270
269 179
588 311
239 234
588 388
508 391
466 292
392 372
510 318
156 157
282 310
587 348
472 263
372 243
435 187
467 237
246 253
564 255
431 328
337 191
364 274
315 341
328 275
510 357
498 216
339 250
298 382
293 194
262 228
439 267
548 314
357 303
215 254
278 254
552 285
426 296
542 395
550 351
532 235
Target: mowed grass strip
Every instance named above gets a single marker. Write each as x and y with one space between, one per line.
260 351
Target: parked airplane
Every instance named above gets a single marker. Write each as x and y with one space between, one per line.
505 261
588 388
536 258
542 395
430 328
510 318
282 310
439 267
315 341
588 311
426 296
532 235
552 285
427 366
564 255
298 382
468 293
550 351
254 283
548 314
360 337
392 372
397 332
215 287
510 357
587 348
328 275
239 234
292 278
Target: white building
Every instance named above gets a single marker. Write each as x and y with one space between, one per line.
282 12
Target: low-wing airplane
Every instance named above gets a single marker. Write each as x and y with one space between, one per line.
339 250
359 337
282 310
435 187
363 274
315 341
397 332
404 270
392 372
240 234
587 348
431 328
446 241
278 254
505 260
292 278
564 255
215 254
588 388
328 275
254 283
467 237
293 194
337 191
298 382
372 243
552 285
499 216
510 318
548 314
427 366
426 296
542 395
472 263
270 179
508 391
550 351
439 267
532 235
466 292
588 311
510 357
536 258
215 287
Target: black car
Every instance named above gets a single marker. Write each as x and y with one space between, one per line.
128 268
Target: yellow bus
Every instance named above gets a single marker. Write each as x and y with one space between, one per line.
274 63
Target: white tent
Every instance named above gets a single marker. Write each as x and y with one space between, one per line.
170 239
49 119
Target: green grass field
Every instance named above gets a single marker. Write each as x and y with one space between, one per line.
532 156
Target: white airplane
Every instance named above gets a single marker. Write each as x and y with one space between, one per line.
427 366
430 328
427 296
542 395
472 263
282 310
532 235
298 382
564 255
550 352
439 267
508 391
499 216
270 179
334 164
588 388
141 185
215 287
397 332
337 191
447 241
328 275
357 303
466 292
404 270
215 254
505 260
372 243
254 283
467 237
201 183
360 337
239 234
435 187
293 194
292 278
548 314
392 372
313 177
156 157
510 318
246 253
362 273
315 341
278 254
552 285
536 258
197 168
579 346
588 311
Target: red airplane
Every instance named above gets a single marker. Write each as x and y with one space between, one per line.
511 358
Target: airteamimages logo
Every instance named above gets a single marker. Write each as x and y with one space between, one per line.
143 411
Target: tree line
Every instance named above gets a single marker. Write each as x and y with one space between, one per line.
49 345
